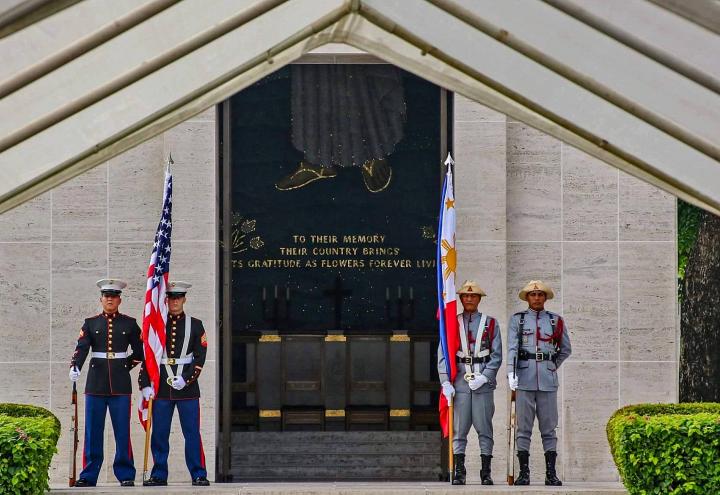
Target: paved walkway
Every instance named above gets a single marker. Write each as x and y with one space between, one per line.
349 488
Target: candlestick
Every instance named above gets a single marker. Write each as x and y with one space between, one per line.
411 292
287 293
264 295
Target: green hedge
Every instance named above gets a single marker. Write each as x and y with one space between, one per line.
667 449
28 439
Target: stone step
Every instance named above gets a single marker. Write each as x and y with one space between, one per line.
330 473
350 488
290 442
361 455
335 460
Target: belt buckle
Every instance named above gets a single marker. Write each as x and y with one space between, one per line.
467 360
539 356
171 361
110 355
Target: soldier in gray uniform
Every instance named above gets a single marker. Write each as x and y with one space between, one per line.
478 361
538 341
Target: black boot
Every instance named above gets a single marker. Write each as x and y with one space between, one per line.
524 476
485 469
551 478
459 471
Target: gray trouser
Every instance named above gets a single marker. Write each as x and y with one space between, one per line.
543 405
476 410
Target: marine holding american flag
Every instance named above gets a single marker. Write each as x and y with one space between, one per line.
175 347
180 367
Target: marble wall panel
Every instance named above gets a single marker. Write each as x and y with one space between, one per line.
467 110
484 262
480 180
590 302
30 384
646 212
192 145
29 222
76 267
533 261
194 262
647 301
648 382
135 190
534 195
130 261
25 298
80 207
590 197
590 397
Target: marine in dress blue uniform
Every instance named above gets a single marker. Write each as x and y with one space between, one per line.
541 343
180 367
478 361
106 338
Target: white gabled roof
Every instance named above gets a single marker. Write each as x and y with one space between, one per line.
640 90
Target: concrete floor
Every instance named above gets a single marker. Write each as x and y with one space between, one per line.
350 488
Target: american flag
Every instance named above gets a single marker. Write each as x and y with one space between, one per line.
155 310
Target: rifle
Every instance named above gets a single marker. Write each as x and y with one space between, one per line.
73 436
512 425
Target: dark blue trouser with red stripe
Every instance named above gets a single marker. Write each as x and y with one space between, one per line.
96 407
189 411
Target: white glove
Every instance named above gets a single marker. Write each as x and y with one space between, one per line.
148 393
513 381
74 374
448 390
178 383
477 382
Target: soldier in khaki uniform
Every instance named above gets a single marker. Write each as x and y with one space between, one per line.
541 343
478 359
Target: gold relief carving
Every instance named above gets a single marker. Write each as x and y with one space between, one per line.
400 338
335 338
270 413
399 413
270 338
240 234
428 232
335 413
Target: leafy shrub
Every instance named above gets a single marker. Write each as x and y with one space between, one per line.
28 439
667 449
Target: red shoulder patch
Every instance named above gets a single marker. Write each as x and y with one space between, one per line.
203 340
82 334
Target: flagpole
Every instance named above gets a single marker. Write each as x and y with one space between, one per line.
147 438
451 466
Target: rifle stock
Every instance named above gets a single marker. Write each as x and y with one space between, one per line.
73 436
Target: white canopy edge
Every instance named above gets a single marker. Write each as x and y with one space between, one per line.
433 43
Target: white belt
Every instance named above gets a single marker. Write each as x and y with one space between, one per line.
109 355
172 361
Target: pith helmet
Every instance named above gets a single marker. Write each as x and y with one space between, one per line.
536 285
470 287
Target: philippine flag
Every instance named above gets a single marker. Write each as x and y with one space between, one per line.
447 304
